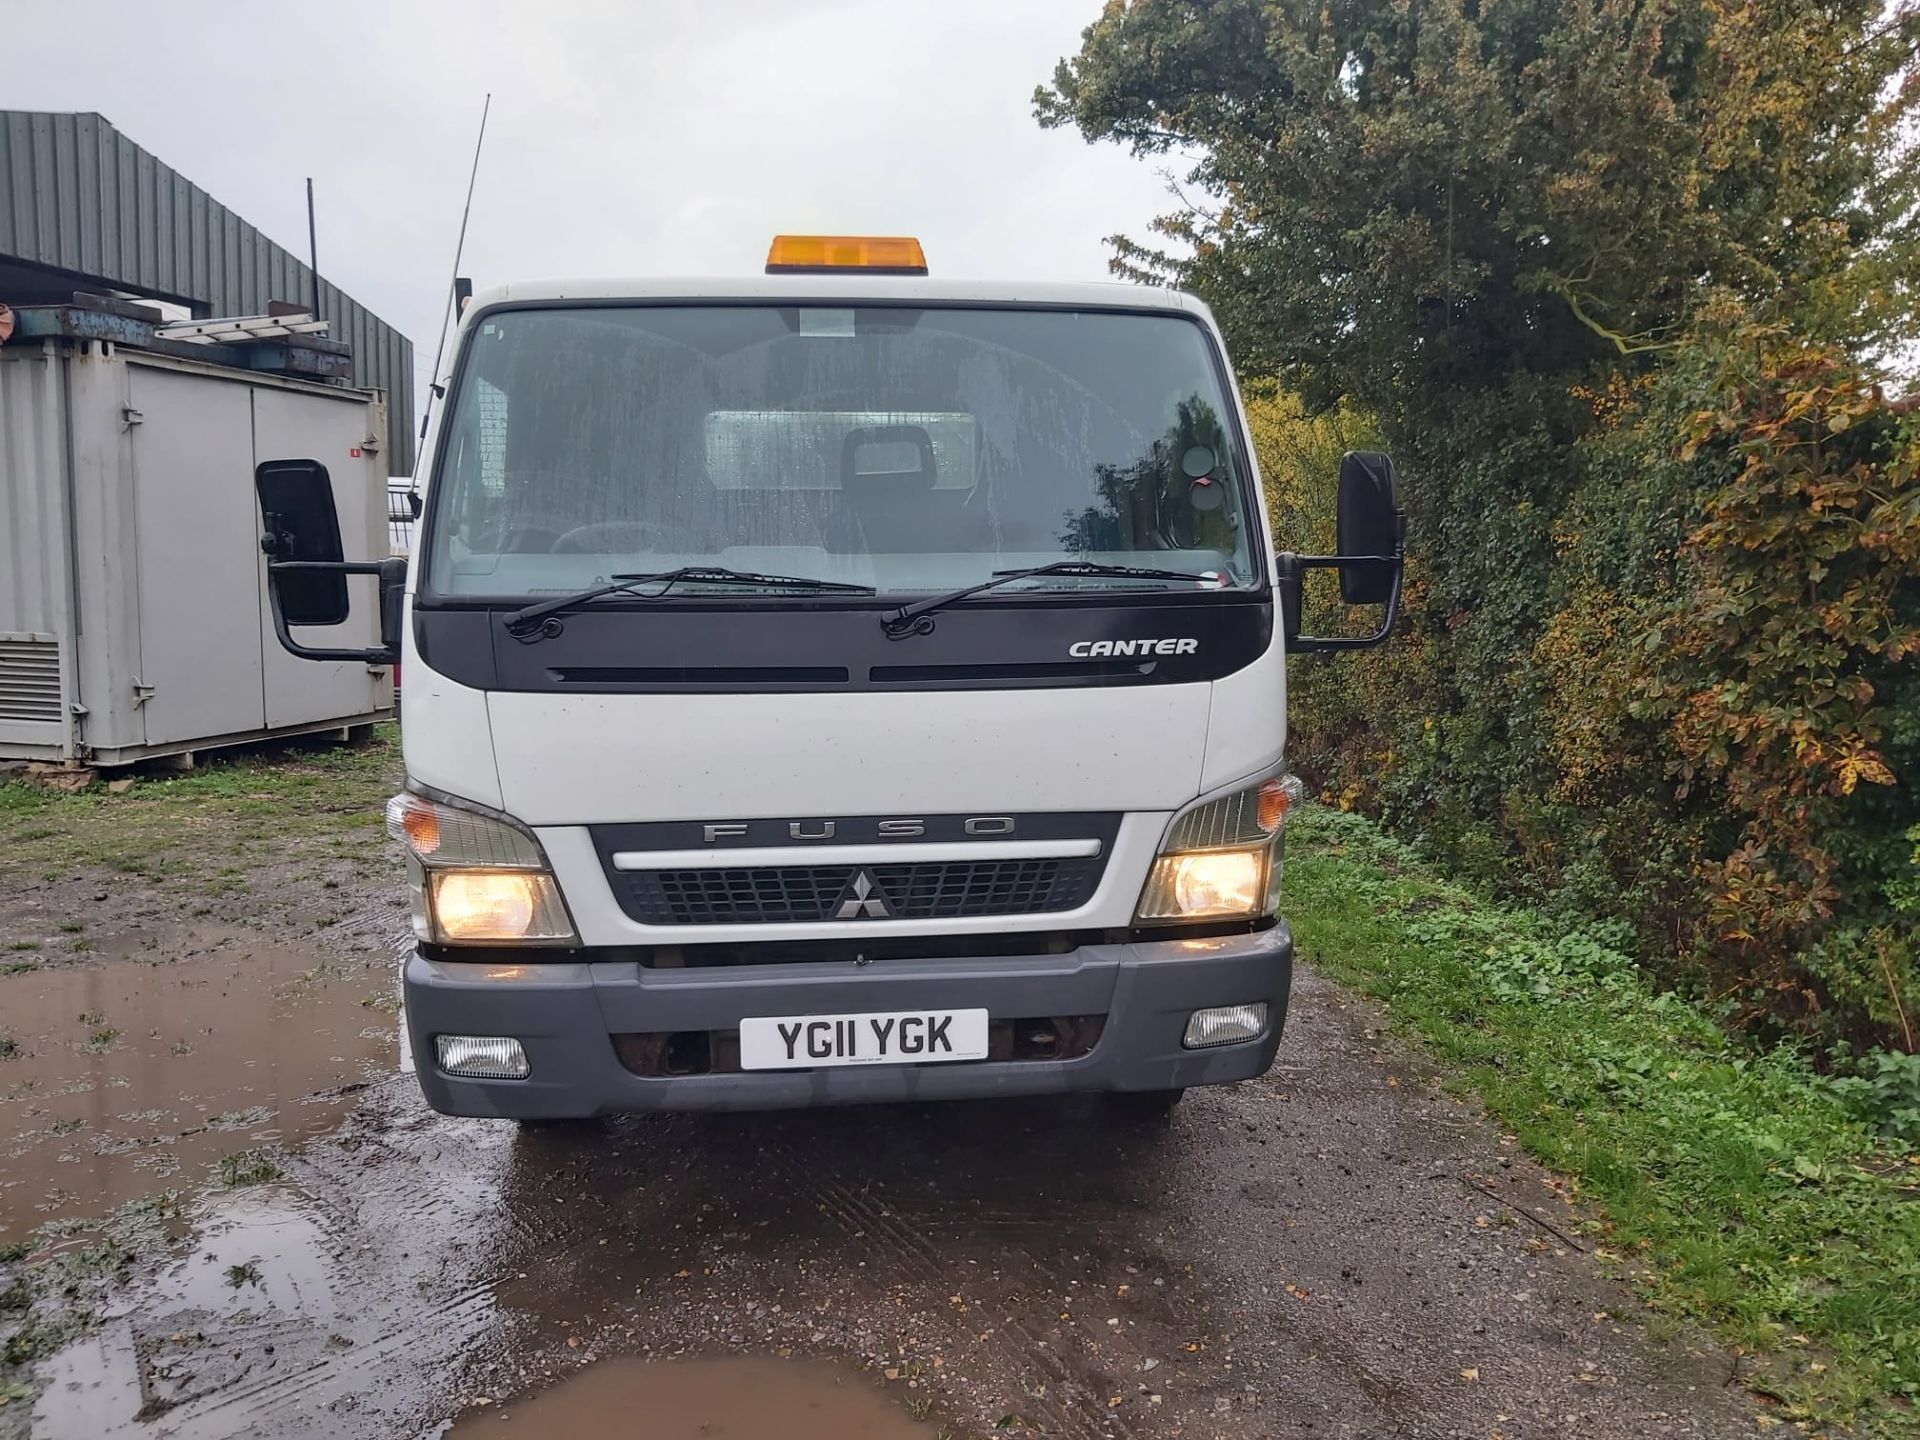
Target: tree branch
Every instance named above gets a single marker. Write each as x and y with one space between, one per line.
1625 344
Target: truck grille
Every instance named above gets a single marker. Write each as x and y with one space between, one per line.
796 894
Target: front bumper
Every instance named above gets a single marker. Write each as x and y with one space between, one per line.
565 1014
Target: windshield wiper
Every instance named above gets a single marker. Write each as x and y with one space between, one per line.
540 619
917 618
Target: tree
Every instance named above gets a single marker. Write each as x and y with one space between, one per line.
1613 278
1405 197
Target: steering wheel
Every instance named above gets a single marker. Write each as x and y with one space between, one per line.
620 537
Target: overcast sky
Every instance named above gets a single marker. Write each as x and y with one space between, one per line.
649 137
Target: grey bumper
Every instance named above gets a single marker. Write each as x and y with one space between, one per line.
564 1015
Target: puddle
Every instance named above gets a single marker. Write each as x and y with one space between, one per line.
128 1078
701 1400
284 1315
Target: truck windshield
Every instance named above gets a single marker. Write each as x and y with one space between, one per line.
914 450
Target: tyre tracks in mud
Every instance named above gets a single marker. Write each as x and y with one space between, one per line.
1067 1403
297 1307
1320 1253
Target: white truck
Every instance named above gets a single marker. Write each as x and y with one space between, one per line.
839 685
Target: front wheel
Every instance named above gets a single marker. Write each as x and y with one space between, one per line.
1145 1104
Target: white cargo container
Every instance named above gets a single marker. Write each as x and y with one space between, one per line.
134 619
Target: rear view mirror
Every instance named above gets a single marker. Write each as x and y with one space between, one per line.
1369 524
1371 543
296 510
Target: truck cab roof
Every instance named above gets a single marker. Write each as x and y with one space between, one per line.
847 285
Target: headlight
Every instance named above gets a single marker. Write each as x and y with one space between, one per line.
1212 883
478 878
522 905
1221 858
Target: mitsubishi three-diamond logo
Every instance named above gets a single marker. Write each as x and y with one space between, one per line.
864 900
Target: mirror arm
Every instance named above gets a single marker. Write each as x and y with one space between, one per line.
1292 569
392 573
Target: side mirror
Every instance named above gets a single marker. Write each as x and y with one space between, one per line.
306 576
1369 524
393 601
1372 554
296 510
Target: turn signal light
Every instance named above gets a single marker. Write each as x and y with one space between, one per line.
1275 800
421 824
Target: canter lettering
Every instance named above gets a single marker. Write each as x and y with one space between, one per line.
1101 649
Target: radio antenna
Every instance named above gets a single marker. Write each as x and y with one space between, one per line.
447 314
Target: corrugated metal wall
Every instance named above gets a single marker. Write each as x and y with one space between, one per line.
78 195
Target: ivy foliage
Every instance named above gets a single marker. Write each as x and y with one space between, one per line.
1745 1190
1614 283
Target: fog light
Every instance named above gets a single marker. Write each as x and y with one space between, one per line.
481 1057
1225 1024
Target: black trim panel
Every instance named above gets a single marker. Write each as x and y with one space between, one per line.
853 949
718 646
600 675
805 894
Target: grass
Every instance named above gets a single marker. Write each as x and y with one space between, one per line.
248 1167
48 1305
236 803
1733 1188
274 811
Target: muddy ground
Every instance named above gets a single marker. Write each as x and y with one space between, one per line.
265 1232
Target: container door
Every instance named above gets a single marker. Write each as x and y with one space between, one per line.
34 546
197 556
301 425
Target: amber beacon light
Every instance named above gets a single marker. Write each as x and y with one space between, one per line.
829 254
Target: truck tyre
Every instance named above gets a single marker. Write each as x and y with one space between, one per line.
1145 1104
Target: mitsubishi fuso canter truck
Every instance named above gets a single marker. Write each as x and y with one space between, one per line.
836 685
